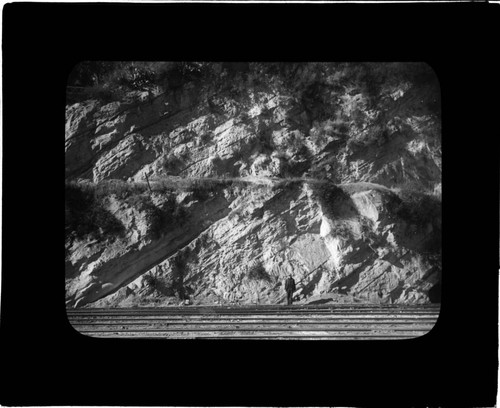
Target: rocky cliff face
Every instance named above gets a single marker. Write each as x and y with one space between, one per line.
218 188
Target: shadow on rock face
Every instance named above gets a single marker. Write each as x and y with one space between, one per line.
309 287
345 283
320 301
397 291
435 293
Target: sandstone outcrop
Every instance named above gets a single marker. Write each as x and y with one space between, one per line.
237 192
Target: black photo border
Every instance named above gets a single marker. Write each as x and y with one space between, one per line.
46 362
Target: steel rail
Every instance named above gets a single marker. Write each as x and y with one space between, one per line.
259 326
209 310
277 329
267 337
262 333
258 316
274 306
254 315
260 312
249 320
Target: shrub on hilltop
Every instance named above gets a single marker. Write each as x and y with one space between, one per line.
415 207
420 210
159 218
331 197
86 215
110 80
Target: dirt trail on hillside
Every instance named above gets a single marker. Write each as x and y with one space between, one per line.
267 181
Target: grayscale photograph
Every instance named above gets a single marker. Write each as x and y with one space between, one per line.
253 200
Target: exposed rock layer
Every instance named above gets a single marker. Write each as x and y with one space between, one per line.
242 237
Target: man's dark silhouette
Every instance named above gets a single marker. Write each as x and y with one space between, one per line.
290 288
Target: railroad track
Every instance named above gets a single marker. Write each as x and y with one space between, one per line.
320 322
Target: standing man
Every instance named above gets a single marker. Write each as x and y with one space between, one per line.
290 288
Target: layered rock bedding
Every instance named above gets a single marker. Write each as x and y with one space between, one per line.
214 187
